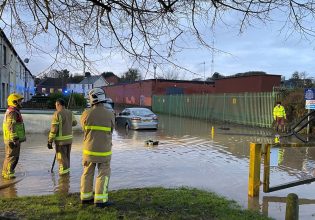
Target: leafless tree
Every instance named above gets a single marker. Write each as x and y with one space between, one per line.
147 30
171 74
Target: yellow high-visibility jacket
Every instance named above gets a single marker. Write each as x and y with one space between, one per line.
61 127
278 111
98 124
13 126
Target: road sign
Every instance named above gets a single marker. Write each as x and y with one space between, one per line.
309 94
309 104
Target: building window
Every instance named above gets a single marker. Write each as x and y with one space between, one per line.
51 90
59 90
4 55
43 90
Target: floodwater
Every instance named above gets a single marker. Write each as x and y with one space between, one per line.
187 155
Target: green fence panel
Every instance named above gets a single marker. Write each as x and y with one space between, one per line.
242 108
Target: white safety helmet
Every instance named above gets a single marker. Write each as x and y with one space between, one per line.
97 95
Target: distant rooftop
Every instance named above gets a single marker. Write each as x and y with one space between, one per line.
90 79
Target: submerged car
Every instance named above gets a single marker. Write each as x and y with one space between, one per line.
137 118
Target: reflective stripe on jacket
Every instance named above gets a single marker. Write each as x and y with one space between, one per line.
13 126
61 127
97 123
279 111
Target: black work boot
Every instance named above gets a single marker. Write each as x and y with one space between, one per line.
103 205
87 202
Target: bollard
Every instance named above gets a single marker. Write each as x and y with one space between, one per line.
212 132
254 169
292 208
277 139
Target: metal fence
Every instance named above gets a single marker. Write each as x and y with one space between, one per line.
241 108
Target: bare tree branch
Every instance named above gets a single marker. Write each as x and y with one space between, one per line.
145 30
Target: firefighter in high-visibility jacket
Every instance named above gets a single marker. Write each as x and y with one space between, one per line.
97 123
13 135
279 116
61 133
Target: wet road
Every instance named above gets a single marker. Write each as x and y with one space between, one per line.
186 156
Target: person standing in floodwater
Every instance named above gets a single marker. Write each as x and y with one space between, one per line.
98 124
61 132
279 116
13 135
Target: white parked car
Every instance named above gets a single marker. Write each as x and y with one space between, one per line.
137 118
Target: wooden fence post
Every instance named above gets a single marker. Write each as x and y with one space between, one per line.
292 207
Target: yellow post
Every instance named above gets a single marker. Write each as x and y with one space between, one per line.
212 132
277 139
254 169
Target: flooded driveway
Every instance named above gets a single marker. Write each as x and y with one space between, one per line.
187 155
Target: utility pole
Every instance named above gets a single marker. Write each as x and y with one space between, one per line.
26 60
154 66
85 44
204 76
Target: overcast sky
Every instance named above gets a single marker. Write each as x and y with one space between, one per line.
260 48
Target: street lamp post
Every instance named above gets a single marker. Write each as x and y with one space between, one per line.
204 70
204 75
85 44
154 66
26 60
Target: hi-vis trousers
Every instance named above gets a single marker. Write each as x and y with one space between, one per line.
63 158
101 183
12 154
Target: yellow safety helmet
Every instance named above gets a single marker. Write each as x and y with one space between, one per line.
13 98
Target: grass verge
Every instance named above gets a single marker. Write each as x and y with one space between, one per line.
144 203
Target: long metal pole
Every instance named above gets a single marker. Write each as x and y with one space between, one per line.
204 70
308 125
154 72
204 76
84 59
53 164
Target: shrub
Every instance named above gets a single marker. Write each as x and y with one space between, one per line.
77 100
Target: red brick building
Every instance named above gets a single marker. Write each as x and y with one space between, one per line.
141 92
253 83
